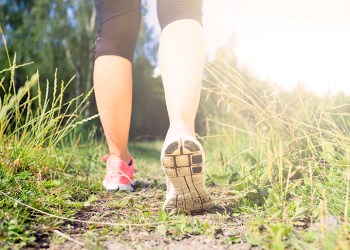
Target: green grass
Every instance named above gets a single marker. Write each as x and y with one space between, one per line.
289 158
278 168
36 166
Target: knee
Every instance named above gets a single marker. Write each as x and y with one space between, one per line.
172 10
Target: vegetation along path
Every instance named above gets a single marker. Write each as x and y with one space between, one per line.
116 220
278 169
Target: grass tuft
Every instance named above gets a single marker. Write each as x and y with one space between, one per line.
287 153
34 156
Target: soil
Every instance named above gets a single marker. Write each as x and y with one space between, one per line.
228 226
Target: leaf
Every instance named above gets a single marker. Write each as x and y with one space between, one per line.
162 216
220 179
181 226
276 214
31 239
300 212
52 183
232 240
91 199
178 229
162 229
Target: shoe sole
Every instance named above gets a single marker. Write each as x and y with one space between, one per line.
183 162
117 187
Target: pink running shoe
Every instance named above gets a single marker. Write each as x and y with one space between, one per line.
119 175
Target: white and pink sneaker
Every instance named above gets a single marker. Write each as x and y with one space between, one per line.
119 175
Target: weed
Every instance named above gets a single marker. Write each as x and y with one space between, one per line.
290 154
33 124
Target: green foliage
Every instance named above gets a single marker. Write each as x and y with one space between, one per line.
149 117
53 34
61 35
290 152
280 160
31 169
149 111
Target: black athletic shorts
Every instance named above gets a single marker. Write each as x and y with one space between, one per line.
119 22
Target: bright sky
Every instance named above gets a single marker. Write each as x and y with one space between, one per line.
288 42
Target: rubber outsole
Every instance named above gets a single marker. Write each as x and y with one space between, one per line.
183 162
117 187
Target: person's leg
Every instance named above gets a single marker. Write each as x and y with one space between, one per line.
112 85
119 22
181 60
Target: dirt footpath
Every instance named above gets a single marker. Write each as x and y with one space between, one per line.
220 228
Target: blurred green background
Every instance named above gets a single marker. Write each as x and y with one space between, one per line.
61 35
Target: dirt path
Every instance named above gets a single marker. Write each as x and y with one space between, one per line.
220 228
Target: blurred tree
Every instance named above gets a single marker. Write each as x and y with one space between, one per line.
52 34
61 34
149 116
80 43
11 21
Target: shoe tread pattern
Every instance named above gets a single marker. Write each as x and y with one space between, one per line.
183 163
